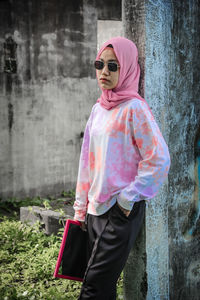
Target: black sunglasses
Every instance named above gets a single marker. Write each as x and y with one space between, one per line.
112 66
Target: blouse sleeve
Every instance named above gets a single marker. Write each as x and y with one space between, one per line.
83 185
154 165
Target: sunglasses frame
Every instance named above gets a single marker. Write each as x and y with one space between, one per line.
108 64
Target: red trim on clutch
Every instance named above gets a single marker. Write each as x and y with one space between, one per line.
68 222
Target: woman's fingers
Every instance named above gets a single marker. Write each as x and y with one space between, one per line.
83 226
125 211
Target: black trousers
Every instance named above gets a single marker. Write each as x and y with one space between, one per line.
110 239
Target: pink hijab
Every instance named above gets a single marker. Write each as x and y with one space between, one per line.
127 87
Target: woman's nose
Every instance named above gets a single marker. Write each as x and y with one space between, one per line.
105 70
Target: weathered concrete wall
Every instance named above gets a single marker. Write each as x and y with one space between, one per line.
109 10
135 276
107 29
157 70
40 153
133 19
45 105
169 33
184 123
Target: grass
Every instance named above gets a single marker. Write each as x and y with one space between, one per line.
27 261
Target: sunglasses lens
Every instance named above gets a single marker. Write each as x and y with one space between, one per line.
112 67
98 64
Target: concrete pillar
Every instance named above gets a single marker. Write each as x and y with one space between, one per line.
133 18
167 36
157 69
135 279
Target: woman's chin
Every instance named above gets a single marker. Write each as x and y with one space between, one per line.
105 86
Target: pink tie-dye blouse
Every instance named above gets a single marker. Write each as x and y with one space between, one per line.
124 158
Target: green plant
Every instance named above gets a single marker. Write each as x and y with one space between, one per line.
28 258
70 196
70 193
62 217
27 261
15 203
46 204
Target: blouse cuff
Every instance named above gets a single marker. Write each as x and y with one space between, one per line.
79 215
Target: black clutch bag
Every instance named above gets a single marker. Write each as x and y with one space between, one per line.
72 258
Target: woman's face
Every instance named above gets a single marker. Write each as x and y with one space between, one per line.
107 79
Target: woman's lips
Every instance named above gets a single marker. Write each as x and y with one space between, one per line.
104 80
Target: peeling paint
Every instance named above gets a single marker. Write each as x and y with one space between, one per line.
18 37
195 215
193 273
67 30
49 36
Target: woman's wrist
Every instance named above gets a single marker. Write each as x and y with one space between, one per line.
125 211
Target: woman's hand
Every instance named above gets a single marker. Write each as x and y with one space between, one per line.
83 226
125 211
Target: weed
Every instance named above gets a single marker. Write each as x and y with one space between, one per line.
13 204
70 193
27 261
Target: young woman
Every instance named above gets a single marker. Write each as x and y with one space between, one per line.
124 161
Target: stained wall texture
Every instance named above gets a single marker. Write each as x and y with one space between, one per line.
135 275
171 41
159 17
45 103
184 123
